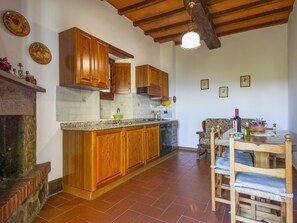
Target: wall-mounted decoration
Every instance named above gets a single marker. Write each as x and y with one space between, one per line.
16 23
40 53
174 99
204 84
245 81
223 92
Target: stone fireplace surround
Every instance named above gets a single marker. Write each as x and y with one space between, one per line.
23 184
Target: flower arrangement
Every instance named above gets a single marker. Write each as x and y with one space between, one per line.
258 122
258 125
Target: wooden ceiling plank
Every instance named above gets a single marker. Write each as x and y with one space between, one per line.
203 19
280 10
138 6
158 17
170 37
243 8
166 28
248 28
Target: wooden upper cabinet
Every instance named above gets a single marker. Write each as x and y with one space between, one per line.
83 60
152 141
147 75
121 80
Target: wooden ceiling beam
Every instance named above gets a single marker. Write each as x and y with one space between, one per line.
158 17
255 16
258 26
203 19
138 6
166 28
244 7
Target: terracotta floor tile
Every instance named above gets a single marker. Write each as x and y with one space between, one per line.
177 190
157 192
77 220
99 205
190 203
184 219
128 216
147 219
147 210
173 213
120 207
145 199
71 203
164 201
56 200
40 220
66 195
48 212
69 215
93 216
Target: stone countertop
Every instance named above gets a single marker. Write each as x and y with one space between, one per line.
108 124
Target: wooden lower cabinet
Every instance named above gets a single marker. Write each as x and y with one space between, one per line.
108 156
134 148
152 140
92 158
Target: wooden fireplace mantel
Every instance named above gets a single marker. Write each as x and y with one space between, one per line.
16 80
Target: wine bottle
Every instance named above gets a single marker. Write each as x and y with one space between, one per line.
236 122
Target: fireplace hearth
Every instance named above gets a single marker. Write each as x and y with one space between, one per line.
23 183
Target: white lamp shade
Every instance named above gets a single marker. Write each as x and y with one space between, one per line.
190 40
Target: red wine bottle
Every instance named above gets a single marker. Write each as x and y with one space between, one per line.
236 122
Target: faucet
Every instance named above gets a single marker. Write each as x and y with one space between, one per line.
118 110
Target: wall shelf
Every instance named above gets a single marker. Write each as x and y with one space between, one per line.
16 80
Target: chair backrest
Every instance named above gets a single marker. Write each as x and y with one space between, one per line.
283 173
213 135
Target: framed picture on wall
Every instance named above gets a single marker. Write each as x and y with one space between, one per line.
204 84
223 92
245 81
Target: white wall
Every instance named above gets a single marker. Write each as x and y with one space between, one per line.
292 58
167 63
47 19
260 53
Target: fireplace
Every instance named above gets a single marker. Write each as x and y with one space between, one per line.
23 183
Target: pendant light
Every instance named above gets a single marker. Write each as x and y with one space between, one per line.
191 39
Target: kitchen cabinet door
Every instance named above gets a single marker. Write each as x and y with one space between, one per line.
100 74
108 156
134 148
122 78
164 86
154 77
84 59
152 142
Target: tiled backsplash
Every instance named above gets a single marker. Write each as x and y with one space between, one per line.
83 105
77 104
131 105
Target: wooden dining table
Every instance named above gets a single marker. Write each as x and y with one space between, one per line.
261 159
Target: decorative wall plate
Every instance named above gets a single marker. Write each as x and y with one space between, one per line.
16 23
40 53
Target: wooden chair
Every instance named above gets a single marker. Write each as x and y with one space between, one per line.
202 149
220 169
258 193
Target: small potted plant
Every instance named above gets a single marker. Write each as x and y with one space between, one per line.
258 125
